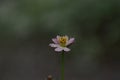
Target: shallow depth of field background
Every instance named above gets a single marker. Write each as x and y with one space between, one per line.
26 29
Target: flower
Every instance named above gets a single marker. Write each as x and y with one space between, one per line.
61 43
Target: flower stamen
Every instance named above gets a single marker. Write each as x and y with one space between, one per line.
63 40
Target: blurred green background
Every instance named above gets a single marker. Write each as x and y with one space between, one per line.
27 27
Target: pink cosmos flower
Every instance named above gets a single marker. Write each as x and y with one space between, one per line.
61 43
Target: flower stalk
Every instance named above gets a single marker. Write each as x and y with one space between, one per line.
61 44
62 66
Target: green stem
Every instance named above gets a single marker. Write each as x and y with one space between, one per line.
62 66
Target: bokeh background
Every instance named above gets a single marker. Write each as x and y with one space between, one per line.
27 27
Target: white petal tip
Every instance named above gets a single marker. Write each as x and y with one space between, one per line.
52 45
58 49
66 49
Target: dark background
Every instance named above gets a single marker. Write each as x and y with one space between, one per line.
27 27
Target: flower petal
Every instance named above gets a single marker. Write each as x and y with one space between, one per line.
53 45
55 40
70 41
58 37
66 49
58 49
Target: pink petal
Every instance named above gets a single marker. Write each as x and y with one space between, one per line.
55 40
70 41
66 49
58 49
53 45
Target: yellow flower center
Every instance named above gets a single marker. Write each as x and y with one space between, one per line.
63 40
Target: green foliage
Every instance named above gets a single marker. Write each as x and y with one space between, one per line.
95 22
